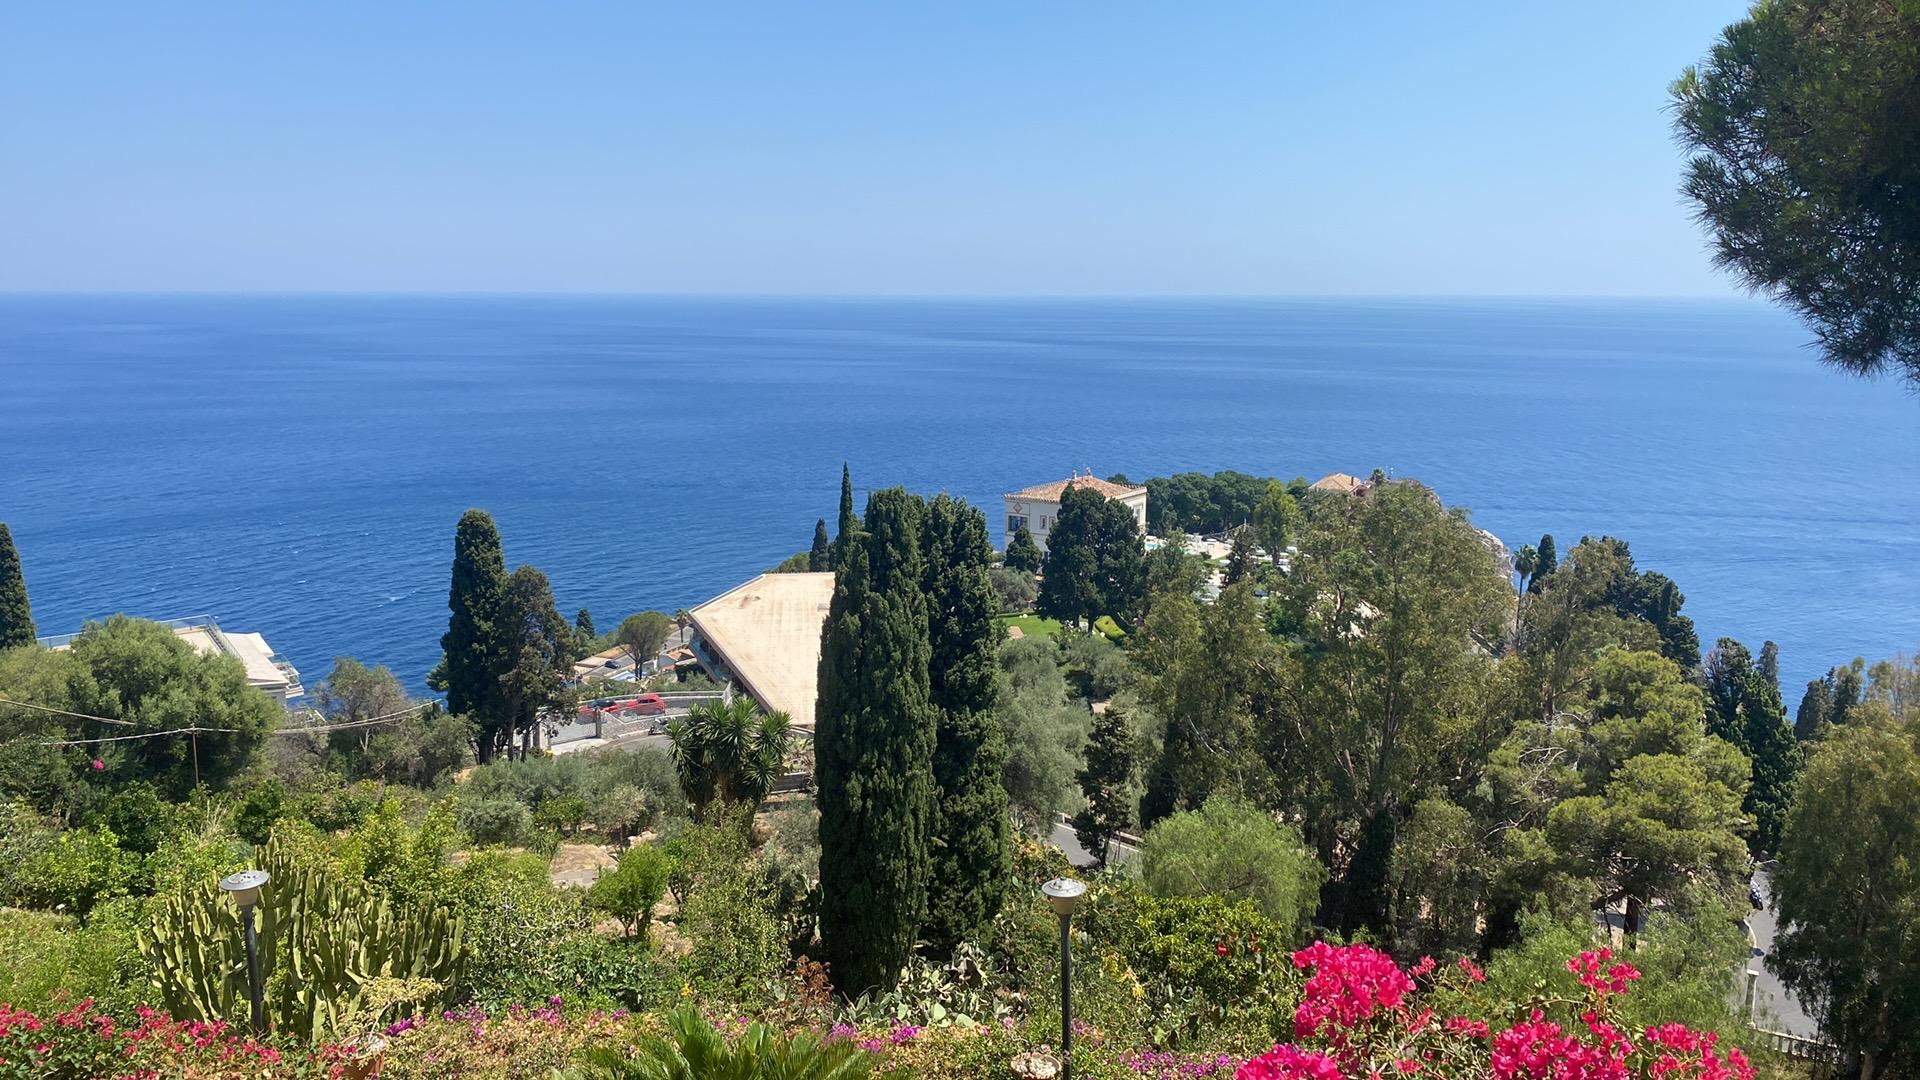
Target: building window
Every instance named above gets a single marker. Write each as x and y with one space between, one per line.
1015 524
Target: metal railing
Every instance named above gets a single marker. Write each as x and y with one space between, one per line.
59 641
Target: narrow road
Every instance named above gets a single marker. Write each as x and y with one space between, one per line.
1773 1006
1062 837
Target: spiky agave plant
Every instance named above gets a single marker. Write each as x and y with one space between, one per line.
693 1049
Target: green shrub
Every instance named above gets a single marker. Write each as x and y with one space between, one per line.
501 821
1229 848
518 930
189 858
561 813
693 1049
631 890
334 807
1110 629
1206 969
257 811
410 863
48 961
77 871
727 912
24 838
138 817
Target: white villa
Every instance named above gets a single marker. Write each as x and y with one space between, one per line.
1037 507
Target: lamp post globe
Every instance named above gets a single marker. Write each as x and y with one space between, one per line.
1064 895
245 888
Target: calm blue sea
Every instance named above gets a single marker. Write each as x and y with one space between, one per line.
296 465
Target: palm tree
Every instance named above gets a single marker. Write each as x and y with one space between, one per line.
1525 562
729 751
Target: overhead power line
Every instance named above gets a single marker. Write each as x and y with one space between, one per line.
63 712
311 729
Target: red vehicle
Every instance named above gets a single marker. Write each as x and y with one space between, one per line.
647 705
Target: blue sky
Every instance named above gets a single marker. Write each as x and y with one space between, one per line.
1272 147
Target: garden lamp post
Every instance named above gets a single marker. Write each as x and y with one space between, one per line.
1064 895
244 887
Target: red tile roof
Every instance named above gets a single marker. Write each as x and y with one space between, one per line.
1051 492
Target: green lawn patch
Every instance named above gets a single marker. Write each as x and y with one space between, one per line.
1030 625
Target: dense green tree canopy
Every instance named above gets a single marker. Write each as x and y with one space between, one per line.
140 673
536 644
1276 519
1096 564
1847 891
1806 167
1107 783
1202 665
1229 848
643 634
1045 729
1622 797
1208 505
1381 691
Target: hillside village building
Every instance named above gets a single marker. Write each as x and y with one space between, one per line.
267 671
763 636
1038 507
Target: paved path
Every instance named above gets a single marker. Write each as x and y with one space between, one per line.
1773 1007
1062 837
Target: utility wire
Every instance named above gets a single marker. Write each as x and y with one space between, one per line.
63 712
145 735
315 729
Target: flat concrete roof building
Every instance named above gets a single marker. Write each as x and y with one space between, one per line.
266 670
764 636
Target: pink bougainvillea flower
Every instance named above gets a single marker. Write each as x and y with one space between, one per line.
1289 1062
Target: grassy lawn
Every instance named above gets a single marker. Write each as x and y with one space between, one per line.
1030 625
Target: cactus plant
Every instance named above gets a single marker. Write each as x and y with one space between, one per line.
322 940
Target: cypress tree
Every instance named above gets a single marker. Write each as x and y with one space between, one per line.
1107 781
1022 552
1729 672
1545 561
820 556
1770 741
470 666
873 748
970 853
16 615
848 525
1070 589
1239 557
1816 707
583 626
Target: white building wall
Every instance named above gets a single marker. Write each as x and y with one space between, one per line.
1040 516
